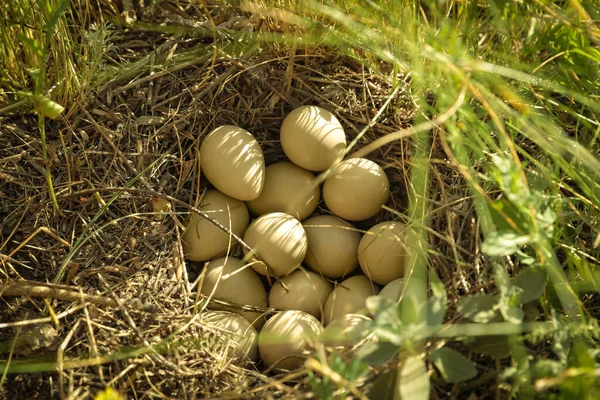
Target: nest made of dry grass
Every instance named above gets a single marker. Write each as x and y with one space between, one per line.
134 139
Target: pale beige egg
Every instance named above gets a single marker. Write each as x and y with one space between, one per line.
233 162
382 252
202 240
349 297
301 290
356 189
285 340
230 280
236 334
279 240
287 189
332 245
348 331
312 138
393 290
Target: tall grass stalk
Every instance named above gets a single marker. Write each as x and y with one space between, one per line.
530 71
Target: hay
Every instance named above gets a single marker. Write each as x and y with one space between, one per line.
141 131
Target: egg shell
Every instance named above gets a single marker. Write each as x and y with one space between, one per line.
240 337
356 189
347 331
279 240
233 162
312 138
202 240
332 246
382 252
287 189
230 280
306 291
286 337
349 297
393 290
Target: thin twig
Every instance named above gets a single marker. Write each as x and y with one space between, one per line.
32 290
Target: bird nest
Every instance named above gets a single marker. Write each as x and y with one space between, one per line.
97 293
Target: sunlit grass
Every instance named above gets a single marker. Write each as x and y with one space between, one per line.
527 126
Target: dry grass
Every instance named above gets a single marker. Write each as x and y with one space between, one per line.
142 131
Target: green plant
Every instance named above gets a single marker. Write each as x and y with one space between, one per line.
511 90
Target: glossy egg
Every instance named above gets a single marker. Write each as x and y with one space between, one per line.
349 297
347 331
284 341
356 189
287 189
237 334
279 240
312 138
202 240
306 291
382 252
230 280
233 162
332 245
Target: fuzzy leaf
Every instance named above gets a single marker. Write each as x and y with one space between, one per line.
503 243
453 366
478 308
383 310
436 305
532 282
414 380
497 346
377 353
383 387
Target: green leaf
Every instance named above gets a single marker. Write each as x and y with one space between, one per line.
546 368
496 346
409 310
384 386
436 305
55 15
414 380
47 107
32 44
512 314
532 282
453 366
503 243
377 353
478 308
509 298
383 310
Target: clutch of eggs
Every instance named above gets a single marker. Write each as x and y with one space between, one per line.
314 258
